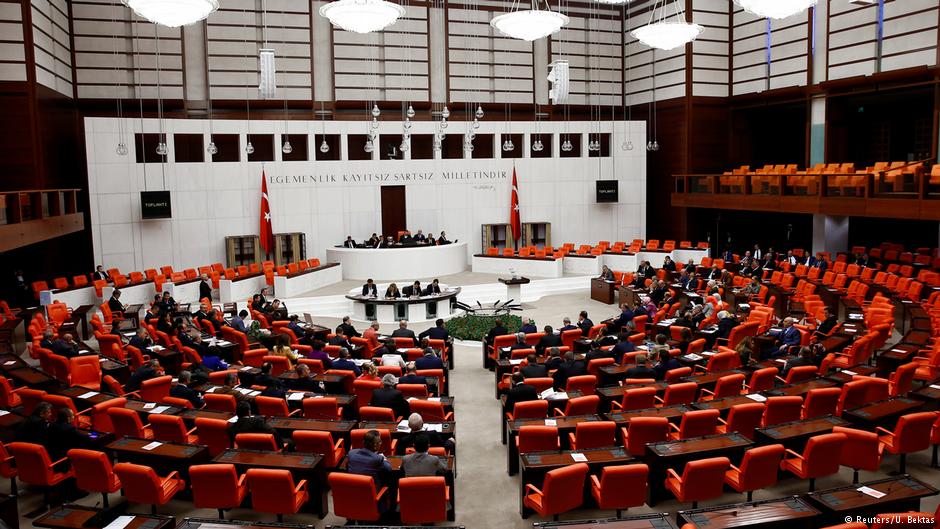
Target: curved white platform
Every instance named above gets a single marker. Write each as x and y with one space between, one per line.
400 264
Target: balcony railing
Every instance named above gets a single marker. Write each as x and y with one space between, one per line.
35 215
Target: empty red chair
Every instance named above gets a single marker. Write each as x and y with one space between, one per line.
819 402
318 442
762 380
170 428
373 413
223 403
273 407
742 418
620 487
781 409
820 458
8 396
902 380
257 441
701 480
322 408
423 500
34 467
127 424
696 424
537 439
799 374
430 411
581 406
726 386
636 399
643 430
93 473
556 495
7 468
273 491
86 371
594 434
683 393
758 469
214 434
583 383
354 497
155 389
217 486
532 409
142 485
911 434
861 451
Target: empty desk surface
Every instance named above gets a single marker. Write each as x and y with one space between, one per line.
794 435
673 413
901 494
793 513
565 425
801 388
675 454
210 523
80 517
301 466
883 413
638 521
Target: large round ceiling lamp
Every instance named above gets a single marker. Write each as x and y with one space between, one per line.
666 32
362 16
776 9
173 13
529 24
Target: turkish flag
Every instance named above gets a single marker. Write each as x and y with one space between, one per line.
267 234
514 209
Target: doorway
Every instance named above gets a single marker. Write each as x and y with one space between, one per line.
393 210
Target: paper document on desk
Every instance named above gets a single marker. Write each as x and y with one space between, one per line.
578 457
156 348
160 409
151 446
516 362
756 397
551 422
693 357
120 522
558 395
150 405
295 396
847 372
88 395
935 386
4 412
871 492
403 426
9 362
434 399
434 427
547 393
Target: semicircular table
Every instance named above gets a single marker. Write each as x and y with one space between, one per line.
403 263
414 309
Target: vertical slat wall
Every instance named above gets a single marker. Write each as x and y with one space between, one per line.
12 38
389 65
749 57
788 51
240 29
591 43
484 66
110 62
51 45
852 39
670 65
710 61
910 34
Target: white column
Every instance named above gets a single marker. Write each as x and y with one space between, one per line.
437 55
830 234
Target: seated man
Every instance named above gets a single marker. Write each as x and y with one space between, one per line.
413 290
533 369
305 381
496 330
624 346
569 368
527 326
147 370
438 332
787 336
238 321
549 340
416 427
411 376
421 463
433 288
404 332
369 460
181 389
641 369
520 344
519 392
247 423
389 397
429 360
345 363
370 289
825 327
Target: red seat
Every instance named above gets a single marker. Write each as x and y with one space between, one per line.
273 407
273 491
322 408
217 486
220 402
363 390
431 411
582 383
127 424
820 458
7 468
86 371
531 409
902 380
556 495
911 434
643 430
214 434
317 442
8 396
800 373
861 450
701 480
34 467
726 386
695 424
683 393
257 441
143 485
636 399
782 409
819 402
377 414
743 418
762 380
354 497
593 434
758 469
170 428
423 500
620 487
581 406
537 439
155 389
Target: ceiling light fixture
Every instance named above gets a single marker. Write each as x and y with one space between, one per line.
667 33
173 13
362 16
776 9
529 24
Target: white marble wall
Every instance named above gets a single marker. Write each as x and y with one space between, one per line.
214 200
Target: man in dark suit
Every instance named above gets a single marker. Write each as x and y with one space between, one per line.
726 322
566 325
404 332
65 346
344 363
788 336
247 423
305 382
533 369
349 242
100 274
433 288
805 359
412 290
339 339
528 327
411 376
438 332
141 340
549 340
625 317
519 392
228 388
420 237
265 378
115 302
147 370
520 342
624 346
569 368
48 339
641 369
238 321
181 389
387 243
828 323
554 359
496 330
389 397
62 435
348 330
416 427
369 289
205 288
429 361
406 238
584 323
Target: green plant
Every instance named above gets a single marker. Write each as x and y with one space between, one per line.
471 327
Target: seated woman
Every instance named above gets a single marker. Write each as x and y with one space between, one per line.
392 291
369 372
282 348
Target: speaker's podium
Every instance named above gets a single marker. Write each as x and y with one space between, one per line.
602 290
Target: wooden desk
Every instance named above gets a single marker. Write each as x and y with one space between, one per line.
164 459
801 388
884 413
146 408
81 517
675 454
602 290
190 416
673 413
536 464
9 424
846 375
638 521
723 405
301 466
793 435
212 523
449 429
286 426
82 403
902 493
32 377
790 513
565 426
615 393
930 394
888 361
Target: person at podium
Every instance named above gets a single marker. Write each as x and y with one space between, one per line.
369 289
433 288
412 291
392 291
606 274
406 238
420 237
442 239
